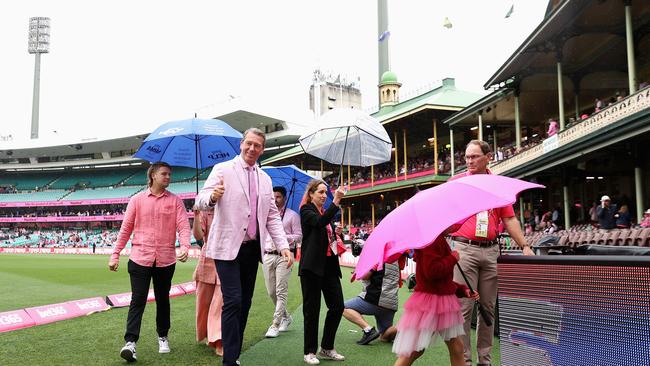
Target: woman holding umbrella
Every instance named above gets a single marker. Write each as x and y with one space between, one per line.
319 271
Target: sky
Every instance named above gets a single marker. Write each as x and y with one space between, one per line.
121 67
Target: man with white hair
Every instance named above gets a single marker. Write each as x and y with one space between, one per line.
605 213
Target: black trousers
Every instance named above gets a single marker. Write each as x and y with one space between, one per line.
312 286
140 279
237 285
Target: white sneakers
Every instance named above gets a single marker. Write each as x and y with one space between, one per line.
128 352
272 332
284 324
330 354
163 345
311 359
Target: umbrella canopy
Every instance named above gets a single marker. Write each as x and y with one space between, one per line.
348 137
193 143
295 182
421 219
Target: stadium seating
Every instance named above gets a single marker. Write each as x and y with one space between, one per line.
28 181
93 178
179 174
104 193
53 195
587 234
184 187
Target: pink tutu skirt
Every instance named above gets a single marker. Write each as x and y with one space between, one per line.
426 315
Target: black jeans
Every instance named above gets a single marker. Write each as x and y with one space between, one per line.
140 279
312 286
237 285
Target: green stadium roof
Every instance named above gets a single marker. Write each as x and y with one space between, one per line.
445 97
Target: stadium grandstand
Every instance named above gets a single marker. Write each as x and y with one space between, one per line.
74 193
584 70
569 109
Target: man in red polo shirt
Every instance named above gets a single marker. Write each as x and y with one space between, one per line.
476 242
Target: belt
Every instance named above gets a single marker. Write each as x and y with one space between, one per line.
477 243
272 252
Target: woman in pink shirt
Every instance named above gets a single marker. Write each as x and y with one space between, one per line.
552 127
646 219
153 216
209 300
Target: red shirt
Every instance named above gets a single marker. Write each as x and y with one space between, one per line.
434 271
468 228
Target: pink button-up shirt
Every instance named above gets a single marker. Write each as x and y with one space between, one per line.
154 221
291 224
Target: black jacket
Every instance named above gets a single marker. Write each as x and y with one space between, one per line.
606 216
313 252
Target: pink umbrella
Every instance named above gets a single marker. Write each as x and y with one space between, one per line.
420 220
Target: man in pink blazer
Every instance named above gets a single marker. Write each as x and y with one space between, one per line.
245 214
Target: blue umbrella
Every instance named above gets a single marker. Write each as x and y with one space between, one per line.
193 143
295 182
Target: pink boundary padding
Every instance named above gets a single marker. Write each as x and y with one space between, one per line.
15 319
52 313
119 300
25 318
124 299
176 290
89 306
189 287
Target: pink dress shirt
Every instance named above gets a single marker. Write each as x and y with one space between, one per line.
291 224
154 221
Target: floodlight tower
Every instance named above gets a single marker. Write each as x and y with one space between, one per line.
38 42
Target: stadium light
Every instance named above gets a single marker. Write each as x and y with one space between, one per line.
38 42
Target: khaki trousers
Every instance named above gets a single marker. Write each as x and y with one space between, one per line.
276 278
480 267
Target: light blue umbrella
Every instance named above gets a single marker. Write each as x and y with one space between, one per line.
193 143
295 182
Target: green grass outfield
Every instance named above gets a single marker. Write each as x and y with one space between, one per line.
96 339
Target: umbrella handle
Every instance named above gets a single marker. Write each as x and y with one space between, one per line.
345 146
484 314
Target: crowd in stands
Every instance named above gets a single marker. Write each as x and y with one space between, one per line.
14 233
551 222
387 170
425 162
106 210
536 136
8 189
68 211
56 238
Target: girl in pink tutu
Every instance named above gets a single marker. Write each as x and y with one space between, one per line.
433 309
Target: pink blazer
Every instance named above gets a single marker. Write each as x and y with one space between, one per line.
232 209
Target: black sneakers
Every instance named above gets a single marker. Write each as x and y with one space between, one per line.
368 336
